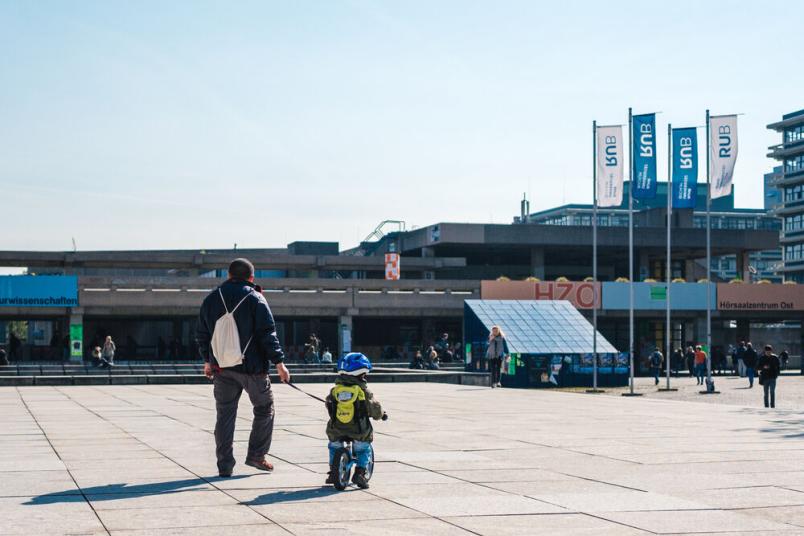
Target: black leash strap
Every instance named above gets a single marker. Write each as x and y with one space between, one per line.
305 392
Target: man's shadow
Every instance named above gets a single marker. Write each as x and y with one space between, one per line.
114 492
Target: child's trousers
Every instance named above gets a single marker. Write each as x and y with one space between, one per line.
362 451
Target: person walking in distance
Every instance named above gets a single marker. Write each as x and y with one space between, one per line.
656 360
740 354
700 364
784 358
769 366
497 349
750 359
108 350
689 357
237 340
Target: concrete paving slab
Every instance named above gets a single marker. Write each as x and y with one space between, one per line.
69 515
220 530
186 517
397 527
544 525
364 510
562 463
695 521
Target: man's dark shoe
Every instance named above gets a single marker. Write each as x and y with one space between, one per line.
262 465
225 475
330 478
359 478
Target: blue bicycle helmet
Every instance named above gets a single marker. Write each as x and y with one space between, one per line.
354 364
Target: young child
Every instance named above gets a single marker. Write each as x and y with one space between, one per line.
350 404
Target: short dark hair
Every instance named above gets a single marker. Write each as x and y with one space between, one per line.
768 347
241 269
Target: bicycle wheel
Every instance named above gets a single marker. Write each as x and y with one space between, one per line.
342 468
370 466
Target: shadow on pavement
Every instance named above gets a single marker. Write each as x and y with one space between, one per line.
293 496
113 492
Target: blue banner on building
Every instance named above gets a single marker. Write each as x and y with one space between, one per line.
685 167
38 291
644 170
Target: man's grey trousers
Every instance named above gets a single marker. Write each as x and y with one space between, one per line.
228 386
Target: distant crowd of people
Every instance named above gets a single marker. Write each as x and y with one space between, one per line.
440 351
746 362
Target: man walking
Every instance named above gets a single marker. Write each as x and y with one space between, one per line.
740 354
769 366
238 298
750 359
656 360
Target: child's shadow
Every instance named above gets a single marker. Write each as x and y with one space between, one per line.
297 495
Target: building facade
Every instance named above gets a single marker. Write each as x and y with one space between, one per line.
763 264
791 181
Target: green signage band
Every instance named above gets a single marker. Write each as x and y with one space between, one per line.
76 340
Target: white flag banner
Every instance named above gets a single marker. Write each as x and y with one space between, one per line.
722 153
609 166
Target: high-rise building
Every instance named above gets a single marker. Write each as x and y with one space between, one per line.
791 182
773 194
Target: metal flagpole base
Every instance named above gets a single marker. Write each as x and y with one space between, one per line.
595 391
631 394
709 392
664 389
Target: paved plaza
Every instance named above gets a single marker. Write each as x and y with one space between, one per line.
452 460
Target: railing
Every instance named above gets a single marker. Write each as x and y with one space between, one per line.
286 296
285 285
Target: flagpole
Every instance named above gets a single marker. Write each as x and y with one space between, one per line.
631 248
708 261
667 332
594 255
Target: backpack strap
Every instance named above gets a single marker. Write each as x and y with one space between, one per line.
241 301
224 301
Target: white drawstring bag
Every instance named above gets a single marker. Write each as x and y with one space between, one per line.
226 339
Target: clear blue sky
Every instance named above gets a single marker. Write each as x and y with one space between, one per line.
201 124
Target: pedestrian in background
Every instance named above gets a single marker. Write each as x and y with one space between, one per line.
689 356
3 359
700 364
656 359
741 359
109 348
496 351
750 359
784 358
769 366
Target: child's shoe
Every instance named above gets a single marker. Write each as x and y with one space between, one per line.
331 478
359 478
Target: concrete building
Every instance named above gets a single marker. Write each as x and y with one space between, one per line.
148 300
791 180
761 264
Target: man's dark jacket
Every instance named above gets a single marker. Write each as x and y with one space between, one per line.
750 358
769 366
253 318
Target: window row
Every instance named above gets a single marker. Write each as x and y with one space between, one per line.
794 252
794 134
794 164
794 223
794 193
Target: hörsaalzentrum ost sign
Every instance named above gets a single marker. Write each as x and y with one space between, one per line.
38 291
